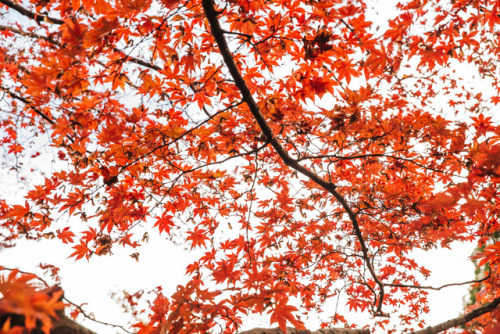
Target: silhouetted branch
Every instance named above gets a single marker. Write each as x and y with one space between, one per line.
218 34
459 321
26 12
28 103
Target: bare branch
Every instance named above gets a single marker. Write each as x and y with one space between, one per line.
428 287
91 318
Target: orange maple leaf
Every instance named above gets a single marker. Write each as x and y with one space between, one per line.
281 313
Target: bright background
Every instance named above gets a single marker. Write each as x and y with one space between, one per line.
162 263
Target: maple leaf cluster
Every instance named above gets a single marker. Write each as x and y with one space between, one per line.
21 298
303 148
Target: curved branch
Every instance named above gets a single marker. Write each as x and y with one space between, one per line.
137 61
218 34
380 155
429 287
29 34
460 320
28 103
89 317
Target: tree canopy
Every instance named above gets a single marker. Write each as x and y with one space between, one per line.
303 147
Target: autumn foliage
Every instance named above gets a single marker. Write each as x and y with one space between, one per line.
303 148
20 298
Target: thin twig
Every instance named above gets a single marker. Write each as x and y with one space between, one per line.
28 103
428 287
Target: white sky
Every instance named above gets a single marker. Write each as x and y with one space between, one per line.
162 263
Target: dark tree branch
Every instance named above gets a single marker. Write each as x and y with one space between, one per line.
28 103
35 16
29 34
138 61
381 155
218 34
462 320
